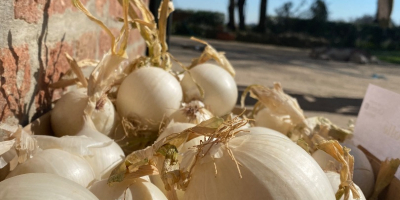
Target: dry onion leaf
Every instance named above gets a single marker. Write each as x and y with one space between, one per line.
385 175
210 53
342 155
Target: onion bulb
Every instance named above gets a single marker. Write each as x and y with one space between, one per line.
57 162
193 112
137 189
220 90
100 152
41 186
149 94
334 179
280 123
67 114
271 167
363 175
170 129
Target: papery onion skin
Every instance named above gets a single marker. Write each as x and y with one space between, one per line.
67 114
42 186
149 94
138 189
280 123
104 159
271 165
363 174
57 162
220 89
172 128
334 179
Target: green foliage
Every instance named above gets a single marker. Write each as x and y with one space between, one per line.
197 23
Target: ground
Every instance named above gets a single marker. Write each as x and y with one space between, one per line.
327 88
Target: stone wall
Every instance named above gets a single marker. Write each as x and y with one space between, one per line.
34 35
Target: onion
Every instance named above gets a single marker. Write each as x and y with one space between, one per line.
57 162
38 186
177 128
280 123
363 175
102 157
170 129
67 114
220 90
334 179
271 167
149 94
137 189
193 112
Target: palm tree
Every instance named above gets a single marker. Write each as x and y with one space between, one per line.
231 12
263 12
241 14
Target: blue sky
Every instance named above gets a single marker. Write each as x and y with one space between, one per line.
338 9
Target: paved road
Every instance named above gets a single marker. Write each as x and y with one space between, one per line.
332 89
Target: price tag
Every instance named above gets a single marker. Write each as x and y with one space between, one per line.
378 124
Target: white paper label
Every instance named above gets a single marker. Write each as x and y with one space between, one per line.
378 124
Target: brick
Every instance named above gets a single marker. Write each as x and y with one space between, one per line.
14 62
27 10
100 7
32 11
51 68
115 8
105 42
85 47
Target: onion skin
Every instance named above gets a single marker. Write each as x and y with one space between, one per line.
363 174
265 118
334 179
220 90
272 167
57 162
67 114
139 189
39 186
149 94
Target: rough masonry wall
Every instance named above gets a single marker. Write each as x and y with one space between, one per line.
34 35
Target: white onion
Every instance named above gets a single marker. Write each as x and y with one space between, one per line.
170 129
177 128
194 112
138 189
363 174
334 179
57 162
271 165
39 186
220 90
102 159
67 114
149 94
280 123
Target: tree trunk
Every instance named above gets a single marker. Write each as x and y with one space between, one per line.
384 12
231 11
241 14
263 13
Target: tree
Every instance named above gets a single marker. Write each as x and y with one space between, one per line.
241 14
319 11
262 19
385 8
285 10
231 13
